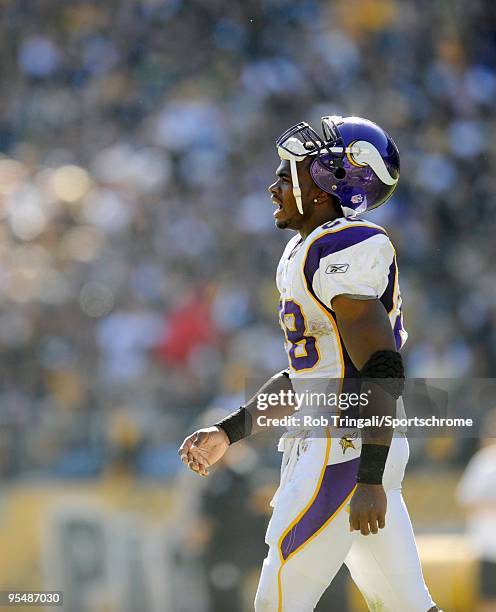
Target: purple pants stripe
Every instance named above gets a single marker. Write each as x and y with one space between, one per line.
338 482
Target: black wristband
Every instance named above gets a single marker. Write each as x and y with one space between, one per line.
237 425
372 463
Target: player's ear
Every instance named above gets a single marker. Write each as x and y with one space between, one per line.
320 198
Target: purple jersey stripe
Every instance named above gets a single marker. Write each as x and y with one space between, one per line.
334 242
398 327
338 482
387 298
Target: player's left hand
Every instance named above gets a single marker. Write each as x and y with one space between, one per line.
368 509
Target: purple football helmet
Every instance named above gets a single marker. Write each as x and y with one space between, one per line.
356 161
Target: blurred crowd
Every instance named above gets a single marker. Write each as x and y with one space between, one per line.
137 244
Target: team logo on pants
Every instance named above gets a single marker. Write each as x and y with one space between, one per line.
346 443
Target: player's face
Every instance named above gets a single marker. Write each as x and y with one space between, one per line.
286 214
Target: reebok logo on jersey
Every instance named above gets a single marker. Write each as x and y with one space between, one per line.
337 268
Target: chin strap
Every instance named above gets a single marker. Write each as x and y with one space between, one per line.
296 185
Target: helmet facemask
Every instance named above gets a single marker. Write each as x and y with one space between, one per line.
301 141
297 143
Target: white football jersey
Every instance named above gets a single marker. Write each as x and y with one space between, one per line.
346 256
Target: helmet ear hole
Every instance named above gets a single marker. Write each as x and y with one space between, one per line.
340 173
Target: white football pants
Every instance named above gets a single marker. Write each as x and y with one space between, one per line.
309 536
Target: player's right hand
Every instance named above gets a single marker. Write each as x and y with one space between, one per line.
203 448
368 507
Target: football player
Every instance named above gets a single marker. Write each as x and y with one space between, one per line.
340 310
